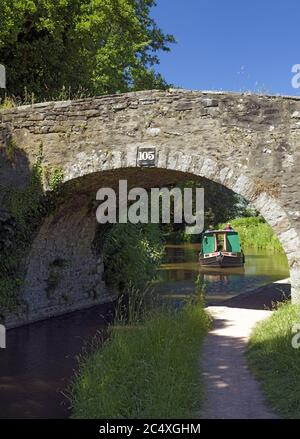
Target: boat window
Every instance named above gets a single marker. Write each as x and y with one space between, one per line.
220 242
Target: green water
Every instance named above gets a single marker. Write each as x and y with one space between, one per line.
180 269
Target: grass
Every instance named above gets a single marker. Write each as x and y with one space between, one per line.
147 370
275 362
7 103
254 232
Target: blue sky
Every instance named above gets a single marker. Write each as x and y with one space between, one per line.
237 45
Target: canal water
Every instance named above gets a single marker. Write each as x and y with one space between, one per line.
180 270
40 359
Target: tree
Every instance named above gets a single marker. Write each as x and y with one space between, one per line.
99 46
220 205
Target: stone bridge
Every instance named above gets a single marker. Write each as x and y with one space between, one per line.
248 143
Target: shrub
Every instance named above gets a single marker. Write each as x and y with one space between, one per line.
132 253
256 233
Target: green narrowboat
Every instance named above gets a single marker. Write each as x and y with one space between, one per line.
221 248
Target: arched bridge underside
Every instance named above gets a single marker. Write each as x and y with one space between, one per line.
248 143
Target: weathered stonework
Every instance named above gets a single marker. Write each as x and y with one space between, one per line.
248 143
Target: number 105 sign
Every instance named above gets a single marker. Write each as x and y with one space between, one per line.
146 156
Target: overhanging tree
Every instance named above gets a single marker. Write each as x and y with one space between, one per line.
99 46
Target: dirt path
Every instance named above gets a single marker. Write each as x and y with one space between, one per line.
231 390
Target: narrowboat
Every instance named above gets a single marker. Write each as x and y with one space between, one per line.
221 248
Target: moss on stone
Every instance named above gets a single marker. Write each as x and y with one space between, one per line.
25 210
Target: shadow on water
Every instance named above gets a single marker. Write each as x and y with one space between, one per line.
39 360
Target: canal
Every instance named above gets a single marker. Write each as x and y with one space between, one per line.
180 270
40 358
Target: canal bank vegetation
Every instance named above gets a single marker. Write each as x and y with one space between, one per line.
149 367
274 357
22 211
131 254
254 232
221 206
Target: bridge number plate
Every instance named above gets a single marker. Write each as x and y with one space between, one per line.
146 157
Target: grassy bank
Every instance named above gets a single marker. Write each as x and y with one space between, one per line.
149 370
275 362
254 232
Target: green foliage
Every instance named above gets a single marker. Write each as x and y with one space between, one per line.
275 362
8 287
134 305
220 204
11 150
25 204
7 103
55 180
131 254
148 371
256 233
26 207
200 291
53 49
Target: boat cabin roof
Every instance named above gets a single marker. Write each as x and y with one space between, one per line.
211 232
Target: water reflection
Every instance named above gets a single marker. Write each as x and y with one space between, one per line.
40 359
180 269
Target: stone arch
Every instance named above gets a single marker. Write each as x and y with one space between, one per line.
63 245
